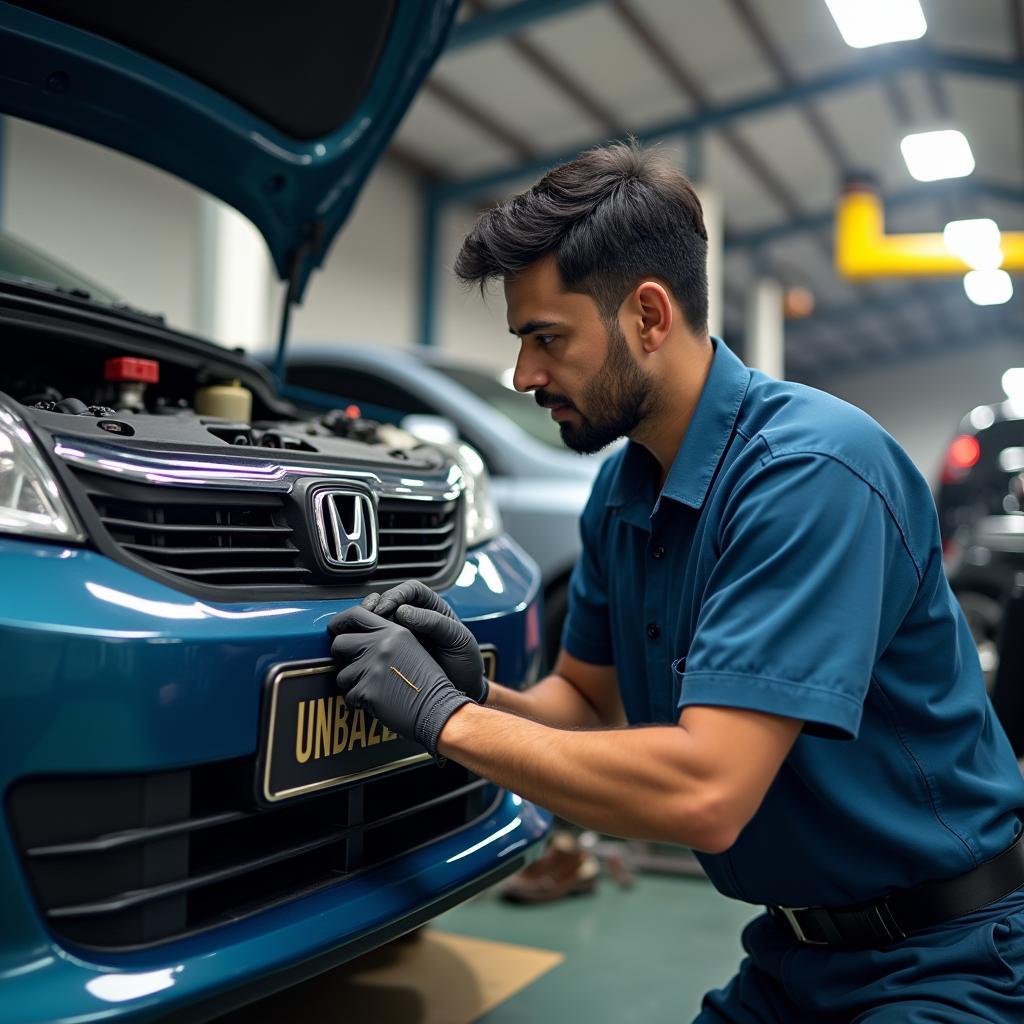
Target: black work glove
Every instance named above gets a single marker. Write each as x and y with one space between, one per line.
414 605
385 671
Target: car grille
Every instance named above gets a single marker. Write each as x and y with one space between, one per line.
127 861
240 540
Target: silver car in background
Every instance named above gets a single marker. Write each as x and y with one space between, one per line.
539 485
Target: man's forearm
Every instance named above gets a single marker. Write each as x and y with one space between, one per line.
643 783
554 701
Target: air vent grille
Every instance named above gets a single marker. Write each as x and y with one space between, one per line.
125 861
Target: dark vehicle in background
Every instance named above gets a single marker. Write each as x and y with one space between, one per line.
980 503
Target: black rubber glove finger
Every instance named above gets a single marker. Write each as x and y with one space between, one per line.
352 693
349 647
415 593
453 646
370 602
354 619
434 627
396 680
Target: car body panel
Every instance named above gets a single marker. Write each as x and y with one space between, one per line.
45 982
298 192
120 673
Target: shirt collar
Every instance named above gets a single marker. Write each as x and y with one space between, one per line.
703 444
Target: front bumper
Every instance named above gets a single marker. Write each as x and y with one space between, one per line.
109 672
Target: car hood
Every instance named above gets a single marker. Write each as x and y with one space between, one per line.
278 109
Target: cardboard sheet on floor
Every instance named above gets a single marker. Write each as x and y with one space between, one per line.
433 978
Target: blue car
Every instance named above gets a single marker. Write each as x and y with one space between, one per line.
192 817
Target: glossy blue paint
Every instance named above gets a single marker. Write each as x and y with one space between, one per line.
108 670
297 192
122 673
42 983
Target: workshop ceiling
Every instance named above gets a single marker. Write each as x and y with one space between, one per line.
763 100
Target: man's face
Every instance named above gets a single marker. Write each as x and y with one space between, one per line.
575 363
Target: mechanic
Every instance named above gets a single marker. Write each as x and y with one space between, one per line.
762 658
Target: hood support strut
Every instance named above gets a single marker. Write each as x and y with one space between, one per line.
311 243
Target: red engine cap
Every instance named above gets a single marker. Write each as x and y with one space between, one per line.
131 368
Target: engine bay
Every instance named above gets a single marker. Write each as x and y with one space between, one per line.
191 393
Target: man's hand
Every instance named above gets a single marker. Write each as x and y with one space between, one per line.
385 671
414 605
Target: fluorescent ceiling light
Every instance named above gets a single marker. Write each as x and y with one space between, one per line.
988 287
934 155
872 22
1013 382
976 242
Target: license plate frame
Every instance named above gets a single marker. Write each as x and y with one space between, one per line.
312 683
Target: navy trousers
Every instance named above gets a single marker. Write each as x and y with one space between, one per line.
971 969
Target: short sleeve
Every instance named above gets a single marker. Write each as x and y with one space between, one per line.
587 631
810 584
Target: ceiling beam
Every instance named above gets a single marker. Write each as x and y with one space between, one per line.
572 89
835 81
507 21
773 54
923 193
688 85
820 129
1015 10
424 169
471 111
979 339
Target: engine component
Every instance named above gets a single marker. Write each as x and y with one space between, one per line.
228 401
132 373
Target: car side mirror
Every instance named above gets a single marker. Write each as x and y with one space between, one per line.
433 429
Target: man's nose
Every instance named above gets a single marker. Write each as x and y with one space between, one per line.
529 374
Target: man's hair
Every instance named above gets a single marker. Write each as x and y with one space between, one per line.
611 217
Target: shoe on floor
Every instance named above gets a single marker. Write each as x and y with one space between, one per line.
562 870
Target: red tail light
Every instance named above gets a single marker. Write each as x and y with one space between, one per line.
963 453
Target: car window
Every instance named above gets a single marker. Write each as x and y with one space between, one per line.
356 386
521 409
21 262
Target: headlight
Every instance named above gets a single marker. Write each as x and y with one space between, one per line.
31 504
482 518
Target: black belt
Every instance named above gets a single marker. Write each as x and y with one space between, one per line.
905 911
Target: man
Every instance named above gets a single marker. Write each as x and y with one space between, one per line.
761 600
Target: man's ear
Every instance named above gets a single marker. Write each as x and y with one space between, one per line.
653 307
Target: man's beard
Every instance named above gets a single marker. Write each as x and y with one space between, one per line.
619 397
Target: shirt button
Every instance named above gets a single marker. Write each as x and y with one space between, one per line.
658 552
653 630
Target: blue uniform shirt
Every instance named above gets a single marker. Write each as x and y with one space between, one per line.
791 565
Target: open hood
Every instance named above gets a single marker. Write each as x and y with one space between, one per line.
278 108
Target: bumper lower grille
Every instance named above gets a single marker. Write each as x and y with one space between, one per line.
126 861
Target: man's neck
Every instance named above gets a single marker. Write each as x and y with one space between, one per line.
663 431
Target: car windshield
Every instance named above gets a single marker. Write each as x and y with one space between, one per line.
521 409
21 263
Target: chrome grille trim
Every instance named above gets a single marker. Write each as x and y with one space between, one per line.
230 472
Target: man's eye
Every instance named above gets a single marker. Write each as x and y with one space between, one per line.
544 339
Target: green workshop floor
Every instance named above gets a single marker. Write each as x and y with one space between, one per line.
643 955
646 954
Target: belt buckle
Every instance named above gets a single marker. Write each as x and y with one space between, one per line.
790 915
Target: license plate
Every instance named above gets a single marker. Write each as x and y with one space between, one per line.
312 741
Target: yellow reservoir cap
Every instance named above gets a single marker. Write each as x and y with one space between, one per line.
227 401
